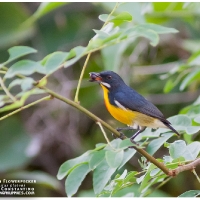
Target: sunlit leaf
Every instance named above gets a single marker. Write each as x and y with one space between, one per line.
26 83
66 166
75 179
169 86
54 60
177 149
197 119
194 75
158 28
122 17
47 7
13 142
96 159
128 154
114 158
101 176
17 52
141 31
190 193
155 144
78 52
25 67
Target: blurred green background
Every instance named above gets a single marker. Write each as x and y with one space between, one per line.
35 142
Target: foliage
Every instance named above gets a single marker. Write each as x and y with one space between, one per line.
121 28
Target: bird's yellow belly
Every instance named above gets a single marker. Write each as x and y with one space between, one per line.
129 117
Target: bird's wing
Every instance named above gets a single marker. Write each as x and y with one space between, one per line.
130 99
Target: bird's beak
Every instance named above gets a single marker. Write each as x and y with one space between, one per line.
95 77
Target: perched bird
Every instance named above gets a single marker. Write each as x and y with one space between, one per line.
127 106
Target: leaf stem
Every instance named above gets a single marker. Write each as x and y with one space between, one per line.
104 133
81 77
7 91
107 20
88 57
26 106
194 172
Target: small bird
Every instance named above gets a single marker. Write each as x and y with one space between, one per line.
127 106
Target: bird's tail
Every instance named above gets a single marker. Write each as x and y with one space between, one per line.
167 123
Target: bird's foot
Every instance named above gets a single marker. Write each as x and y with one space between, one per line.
121 134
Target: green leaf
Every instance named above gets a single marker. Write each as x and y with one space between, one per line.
68 165
192 151
180 120
154 145
197 119
190 193
159 29
23 96
114 158
54 60
12 32
128 154
194 75
145 180
169 86
101 176
123 16
14 142
154 172
75 179
177 149
4 99
96 159
77 52
25 67
183 122
140 31
15 82
131 177
27 84
17 52
47 7
103 17
124 144
112 55
101 34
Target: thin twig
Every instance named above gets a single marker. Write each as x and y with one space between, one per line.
7 91
26 106
105 135
107 20
190 166
81 77
194 172
88 57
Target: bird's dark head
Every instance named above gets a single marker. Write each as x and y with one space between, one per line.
109 79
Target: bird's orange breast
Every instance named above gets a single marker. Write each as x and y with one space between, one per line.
124 116
128 116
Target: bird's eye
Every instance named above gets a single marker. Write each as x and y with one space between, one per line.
109 77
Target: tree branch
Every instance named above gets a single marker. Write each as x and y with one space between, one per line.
190 166
24 107
103 123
